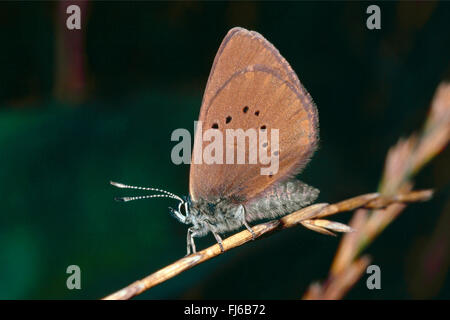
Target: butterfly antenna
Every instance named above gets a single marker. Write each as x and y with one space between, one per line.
124 186
126 199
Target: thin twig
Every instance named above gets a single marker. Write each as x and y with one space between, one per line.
308 217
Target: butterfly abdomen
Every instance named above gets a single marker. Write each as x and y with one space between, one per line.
283 198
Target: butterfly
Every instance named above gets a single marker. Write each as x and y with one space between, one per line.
250 86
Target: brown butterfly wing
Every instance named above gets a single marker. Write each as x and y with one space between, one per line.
273 102
241 48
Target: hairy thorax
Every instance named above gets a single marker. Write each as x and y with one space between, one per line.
218 216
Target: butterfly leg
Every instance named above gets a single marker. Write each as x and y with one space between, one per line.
242 213
190 241
219 240
249 229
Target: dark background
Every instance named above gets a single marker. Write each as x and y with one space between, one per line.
81 108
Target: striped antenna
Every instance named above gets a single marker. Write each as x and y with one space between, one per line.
124 186
126 199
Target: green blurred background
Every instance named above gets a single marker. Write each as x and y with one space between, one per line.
81 108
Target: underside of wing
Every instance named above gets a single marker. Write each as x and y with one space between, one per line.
260 98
